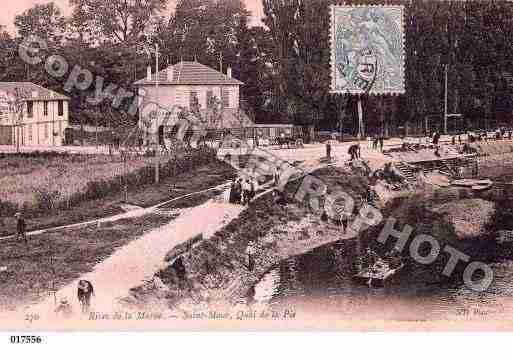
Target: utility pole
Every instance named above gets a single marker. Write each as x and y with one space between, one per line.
157 160
360 118
445 100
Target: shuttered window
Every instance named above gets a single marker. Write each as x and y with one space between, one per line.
193 99
210 95
30 109
60 109
225 98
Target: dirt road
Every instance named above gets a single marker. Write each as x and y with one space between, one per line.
128 267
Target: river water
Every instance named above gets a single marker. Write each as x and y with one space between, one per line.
321 282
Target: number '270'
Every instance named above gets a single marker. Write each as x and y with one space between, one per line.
25 339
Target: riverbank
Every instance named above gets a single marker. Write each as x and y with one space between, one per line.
215 272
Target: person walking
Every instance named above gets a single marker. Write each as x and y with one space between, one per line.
237 191
232 197
252 191
250 252
85 291
21 227
344 218
276 176
436 139
328 150
352 151
246 190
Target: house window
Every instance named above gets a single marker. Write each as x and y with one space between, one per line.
30 133
225 98
180 97
45 108
193 100
46 131
60 105
30 109
210 96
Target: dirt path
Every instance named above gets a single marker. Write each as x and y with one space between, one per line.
136 212
129 267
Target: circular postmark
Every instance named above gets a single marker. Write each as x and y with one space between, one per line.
366 70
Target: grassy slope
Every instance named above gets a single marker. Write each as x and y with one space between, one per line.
21 175
198 179
54 259
59 257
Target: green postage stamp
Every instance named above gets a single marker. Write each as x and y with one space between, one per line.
367 49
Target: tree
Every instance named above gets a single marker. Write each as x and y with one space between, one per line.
8 56
300 57
118 21
44 21
281 20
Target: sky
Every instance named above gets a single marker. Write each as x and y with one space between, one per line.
11 8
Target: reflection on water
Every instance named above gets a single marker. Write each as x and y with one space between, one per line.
321 281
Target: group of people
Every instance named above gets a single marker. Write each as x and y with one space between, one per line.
242 191
500 134
340 219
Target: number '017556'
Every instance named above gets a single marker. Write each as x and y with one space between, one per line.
26 339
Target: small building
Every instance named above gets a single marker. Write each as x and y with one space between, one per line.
31 115
186 85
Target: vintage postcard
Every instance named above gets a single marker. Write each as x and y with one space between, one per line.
256 165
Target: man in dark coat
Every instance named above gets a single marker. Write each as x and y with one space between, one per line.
232 198
84 292
21 227
237 191
353 152
436 138
328 150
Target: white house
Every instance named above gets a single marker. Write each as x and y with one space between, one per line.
44 115
183 85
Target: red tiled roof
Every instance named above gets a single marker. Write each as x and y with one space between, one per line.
191 73
31 91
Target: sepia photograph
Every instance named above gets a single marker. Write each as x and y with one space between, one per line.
255 165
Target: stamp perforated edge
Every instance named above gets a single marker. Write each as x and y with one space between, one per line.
332 53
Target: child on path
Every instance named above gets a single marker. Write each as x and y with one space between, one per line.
64 308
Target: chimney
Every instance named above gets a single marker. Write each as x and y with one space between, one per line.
148 73
229 71
170 73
